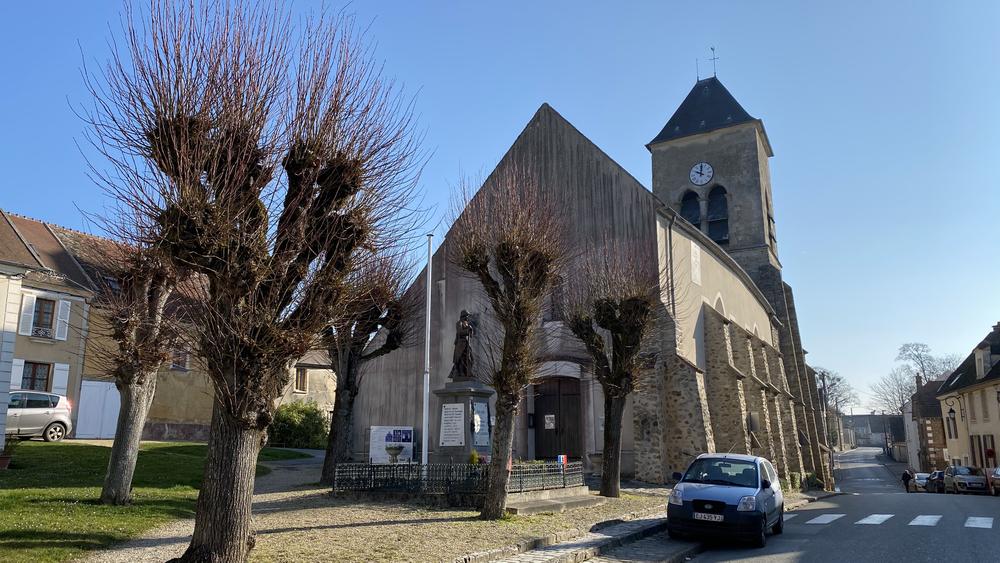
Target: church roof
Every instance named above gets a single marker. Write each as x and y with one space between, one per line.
708 106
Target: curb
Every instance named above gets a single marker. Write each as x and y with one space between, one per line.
802 502
570 534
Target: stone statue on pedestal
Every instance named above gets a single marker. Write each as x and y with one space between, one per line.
461 369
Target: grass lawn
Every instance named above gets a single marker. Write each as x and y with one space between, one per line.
48 506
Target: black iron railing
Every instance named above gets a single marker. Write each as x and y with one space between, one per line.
450 478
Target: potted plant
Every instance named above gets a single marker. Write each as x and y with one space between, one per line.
8 451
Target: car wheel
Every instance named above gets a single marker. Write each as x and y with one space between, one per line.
779 526
761 539
54 432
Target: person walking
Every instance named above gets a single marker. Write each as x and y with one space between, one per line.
906 479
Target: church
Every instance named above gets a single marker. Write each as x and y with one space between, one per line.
730 373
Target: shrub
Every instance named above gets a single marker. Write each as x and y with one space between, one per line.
299 425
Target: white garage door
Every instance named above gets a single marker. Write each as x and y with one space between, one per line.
97 413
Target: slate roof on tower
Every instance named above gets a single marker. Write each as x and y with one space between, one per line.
707 107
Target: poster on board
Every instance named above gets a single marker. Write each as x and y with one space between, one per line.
390 444
481 424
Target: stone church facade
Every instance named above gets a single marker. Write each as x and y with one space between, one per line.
730 372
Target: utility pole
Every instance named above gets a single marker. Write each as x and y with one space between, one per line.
425 430
826 417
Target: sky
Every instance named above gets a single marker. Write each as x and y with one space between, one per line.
883 117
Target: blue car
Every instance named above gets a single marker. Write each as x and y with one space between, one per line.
727 495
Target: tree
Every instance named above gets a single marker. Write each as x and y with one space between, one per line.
377 305
921 362
134 339
893 390
838 390
509 238
272 159
614 295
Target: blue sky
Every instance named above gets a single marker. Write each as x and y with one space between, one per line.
883 118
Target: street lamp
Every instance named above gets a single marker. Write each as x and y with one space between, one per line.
950 401
951 412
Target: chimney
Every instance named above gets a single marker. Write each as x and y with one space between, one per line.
920 382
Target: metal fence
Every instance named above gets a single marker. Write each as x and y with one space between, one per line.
539 476
450 478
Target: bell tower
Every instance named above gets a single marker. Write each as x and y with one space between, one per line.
710 163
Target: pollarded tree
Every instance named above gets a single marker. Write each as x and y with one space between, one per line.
272 160
511 239
613 296
375 319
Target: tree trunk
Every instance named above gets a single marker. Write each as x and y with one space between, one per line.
611 464
223 529
136 399
339 441
495 503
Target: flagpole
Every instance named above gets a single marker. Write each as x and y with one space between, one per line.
425 438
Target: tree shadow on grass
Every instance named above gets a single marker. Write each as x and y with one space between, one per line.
35 539
408 521
174 508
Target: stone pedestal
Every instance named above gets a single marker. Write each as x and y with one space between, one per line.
454 444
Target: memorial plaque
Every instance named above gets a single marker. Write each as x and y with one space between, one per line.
550 422
481 418
452 424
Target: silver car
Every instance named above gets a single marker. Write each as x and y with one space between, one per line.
32 414
961 479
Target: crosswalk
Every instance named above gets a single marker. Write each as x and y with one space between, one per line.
984 522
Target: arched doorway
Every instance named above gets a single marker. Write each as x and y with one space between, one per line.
557 418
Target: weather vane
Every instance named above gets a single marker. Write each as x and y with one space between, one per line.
713 59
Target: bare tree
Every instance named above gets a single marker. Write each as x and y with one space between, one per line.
272 159
613 296
375 319
511 239
930 367
893 390
838 390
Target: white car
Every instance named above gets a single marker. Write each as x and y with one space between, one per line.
920 481
33 414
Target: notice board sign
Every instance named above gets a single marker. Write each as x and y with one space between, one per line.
390 444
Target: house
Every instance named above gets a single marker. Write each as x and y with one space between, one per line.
969 399
53 329
927 425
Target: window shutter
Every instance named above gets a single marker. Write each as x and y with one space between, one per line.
16 373
27 314
60 378
62 320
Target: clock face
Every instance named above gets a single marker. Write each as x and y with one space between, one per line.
701 173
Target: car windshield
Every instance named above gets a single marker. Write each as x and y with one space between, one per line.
720 471
923 475
968 471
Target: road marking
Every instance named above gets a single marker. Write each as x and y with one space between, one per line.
825 519
978 522
874 519
925 520
790 516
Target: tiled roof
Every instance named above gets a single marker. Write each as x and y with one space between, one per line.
965 374
47 249
13 249
925 403
708 106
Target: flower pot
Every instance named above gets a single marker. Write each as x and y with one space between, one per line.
4 461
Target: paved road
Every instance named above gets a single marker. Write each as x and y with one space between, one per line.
874 520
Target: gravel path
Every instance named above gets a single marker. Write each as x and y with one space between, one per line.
299 521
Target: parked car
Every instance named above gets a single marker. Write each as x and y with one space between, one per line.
935 482
920 481
964 479
727 495
993 478
34 414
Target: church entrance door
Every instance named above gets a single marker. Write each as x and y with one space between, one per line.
557 418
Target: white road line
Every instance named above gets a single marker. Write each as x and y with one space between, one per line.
978 522
790 516
874 519
925 520
825 519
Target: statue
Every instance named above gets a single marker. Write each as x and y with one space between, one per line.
461 368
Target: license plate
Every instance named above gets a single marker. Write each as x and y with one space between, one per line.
708 517
975 485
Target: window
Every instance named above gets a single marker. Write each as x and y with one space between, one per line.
36 376
971 399
16 401
179 360
36 401
301 380
691 209
986 406
45 310
718 215
721 471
